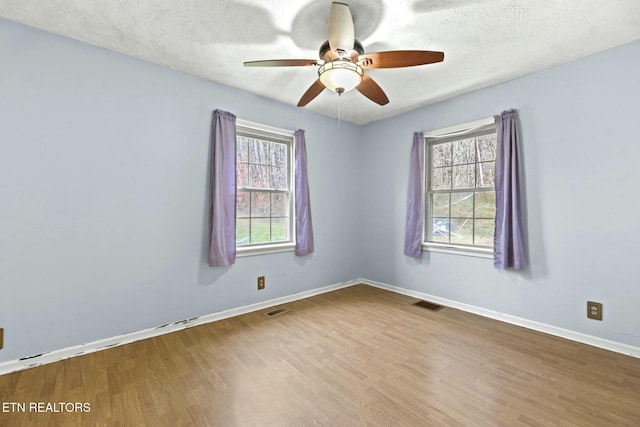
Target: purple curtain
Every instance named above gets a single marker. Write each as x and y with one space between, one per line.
509 241
304 228
415 199
222 250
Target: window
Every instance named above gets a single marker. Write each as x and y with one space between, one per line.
264 180
460 194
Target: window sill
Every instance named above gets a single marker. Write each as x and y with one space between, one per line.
458 250
265 249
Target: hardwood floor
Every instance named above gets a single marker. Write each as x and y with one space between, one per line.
357 356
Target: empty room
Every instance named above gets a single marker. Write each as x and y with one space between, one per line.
272 213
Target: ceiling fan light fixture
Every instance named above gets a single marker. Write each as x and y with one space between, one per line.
340 76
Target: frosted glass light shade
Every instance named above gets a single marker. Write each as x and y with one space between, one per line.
340 76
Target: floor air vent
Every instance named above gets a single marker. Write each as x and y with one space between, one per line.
429 305
277 312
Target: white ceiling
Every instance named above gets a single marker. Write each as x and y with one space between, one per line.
485 41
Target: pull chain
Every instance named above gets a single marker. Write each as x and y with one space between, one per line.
339 103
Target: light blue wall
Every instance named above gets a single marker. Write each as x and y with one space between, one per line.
103 196
579 126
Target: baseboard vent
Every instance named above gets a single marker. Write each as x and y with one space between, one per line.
277 312
429 305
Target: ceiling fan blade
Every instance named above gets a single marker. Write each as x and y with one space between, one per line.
399 58
282 63
369 88
341 34
316 88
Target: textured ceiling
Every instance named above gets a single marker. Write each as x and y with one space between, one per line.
485 41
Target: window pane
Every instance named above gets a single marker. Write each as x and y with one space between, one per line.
242 175
260 230
486 204
440 229
484 229
279 229
278 154
441 179
464 151
441 154
485 174
279 205
279 178
464 176
462 231
462 205
440 206
258 152
242 231
259 176
242 149
260 205
242 204
264 188
461 195
487 147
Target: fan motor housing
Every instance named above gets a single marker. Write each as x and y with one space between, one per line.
326 54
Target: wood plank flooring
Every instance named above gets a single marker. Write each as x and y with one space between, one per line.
357 356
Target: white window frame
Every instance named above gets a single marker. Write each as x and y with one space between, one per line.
270 133
460 130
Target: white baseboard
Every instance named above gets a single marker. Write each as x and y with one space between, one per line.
66 353
56 355
617 347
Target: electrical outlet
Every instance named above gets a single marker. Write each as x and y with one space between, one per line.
594 310
260 283
1 338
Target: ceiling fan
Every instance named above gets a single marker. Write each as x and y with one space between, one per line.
343 61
